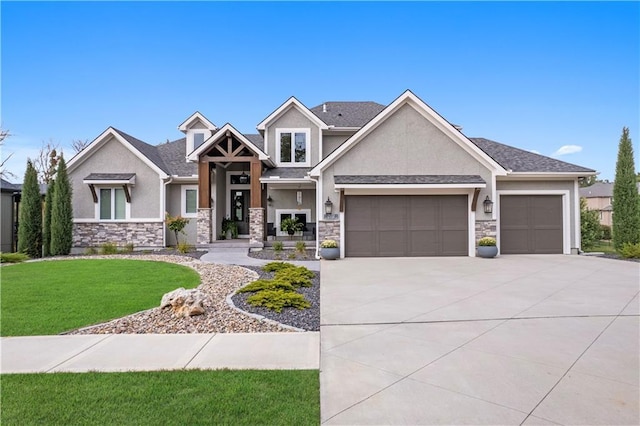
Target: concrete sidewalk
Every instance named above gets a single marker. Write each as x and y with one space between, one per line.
238 256
147 352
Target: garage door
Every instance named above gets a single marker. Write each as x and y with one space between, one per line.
530 224
398 225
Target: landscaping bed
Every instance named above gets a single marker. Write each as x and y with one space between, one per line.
285 254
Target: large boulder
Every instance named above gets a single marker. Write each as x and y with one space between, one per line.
185 303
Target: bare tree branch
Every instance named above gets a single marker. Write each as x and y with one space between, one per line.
3 171
46 161
79 144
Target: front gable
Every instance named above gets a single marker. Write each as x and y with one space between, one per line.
408 136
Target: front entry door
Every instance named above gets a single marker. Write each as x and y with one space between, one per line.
240 209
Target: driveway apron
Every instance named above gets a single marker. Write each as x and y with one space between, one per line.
526 339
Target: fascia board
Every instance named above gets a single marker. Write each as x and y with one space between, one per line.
292 101
196 115
410 186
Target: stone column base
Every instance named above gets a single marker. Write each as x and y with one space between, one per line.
329 229
256 227
485 228
203 226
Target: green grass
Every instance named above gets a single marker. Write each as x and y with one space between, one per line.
162 398
40 298
602 245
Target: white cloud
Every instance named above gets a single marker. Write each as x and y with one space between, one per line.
568 149
534 151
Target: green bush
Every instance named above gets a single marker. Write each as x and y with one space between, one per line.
61 212
276 266
108 248
13 257
298 276
128 248
487 242
184 247
278 299
590 230
30 220
260 285
278 246
301 247
630 251
90 250
606 232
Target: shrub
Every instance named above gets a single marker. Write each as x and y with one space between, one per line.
329 244
184 247
278 299
301 247
61 213
108 248
260 285
46 225
278 246
277 266
487 241
606 232
590 230
626 200
90 250
13 257
128 248
630 251
296 276
176 224
30 220
291 256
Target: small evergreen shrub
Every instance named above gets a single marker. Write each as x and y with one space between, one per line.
487 241
630 251
278 299
260 285
276 266
13 257
301 247
108 248
278 246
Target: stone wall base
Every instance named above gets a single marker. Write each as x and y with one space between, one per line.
140 234
203 226
329 230
256 227
485 228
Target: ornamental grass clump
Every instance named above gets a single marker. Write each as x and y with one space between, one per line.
487 242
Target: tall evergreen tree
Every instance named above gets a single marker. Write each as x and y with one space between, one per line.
61 213
46 226
30 219
626 201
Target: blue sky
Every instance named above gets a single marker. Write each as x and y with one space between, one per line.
543 76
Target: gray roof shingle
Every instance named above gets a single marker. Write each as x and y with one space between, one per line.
174 156
7 186
408 179
149 151
347 114
110 176
287 172
519 160
257 140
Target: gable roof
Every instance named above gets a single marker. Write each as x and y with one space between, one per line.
149 151
174 156
193 156
292 102
520 161
183 127
256 139
600 189
408 98
347 114
7 186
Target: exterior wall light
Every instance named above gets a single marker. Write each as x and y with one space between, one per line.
488 205
328 207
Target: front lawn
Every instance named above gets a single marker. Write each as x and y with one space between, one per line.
39 298
163 398
604 246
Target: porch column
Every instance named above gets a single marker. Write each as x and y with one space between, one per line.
203 222
256 227
256 188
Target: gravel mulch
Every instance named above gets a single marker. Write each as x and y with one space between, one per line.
286 254
306 319
617 257
217 281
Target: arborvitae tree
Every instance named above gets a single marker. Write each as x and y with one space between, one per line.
61 213
30 220
46 226
626 201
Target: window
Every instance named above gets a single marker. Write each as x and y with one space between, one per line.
198 139
303 216
293 147
189 201
113 205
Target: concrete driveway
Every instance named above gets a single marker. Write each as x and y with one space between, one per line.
512 340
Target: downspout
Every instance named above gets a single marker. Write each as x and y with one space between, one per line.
164 206
318 213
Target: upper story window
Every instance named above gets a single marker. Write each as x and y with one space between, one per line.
189 201
198 139
292 148
112 204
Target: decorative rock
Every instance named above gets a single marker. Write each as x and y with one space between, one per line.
184 303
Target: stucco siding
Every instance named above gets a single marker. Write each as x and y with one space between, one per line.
331 142
293 119
286 199
406 144
6 206
174 207
113 157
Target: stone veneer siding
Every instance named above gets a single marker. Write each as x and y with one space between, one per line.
203 226
141 234
256 227
485 228
329 230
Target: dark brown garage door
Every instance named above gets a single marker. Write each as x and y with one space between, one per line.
530 224
400 225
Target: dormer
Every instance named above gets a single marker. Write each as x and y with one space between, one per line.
197 129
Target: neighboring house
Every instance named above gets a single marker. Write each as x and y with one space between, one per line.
599 197
9 194
395 180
